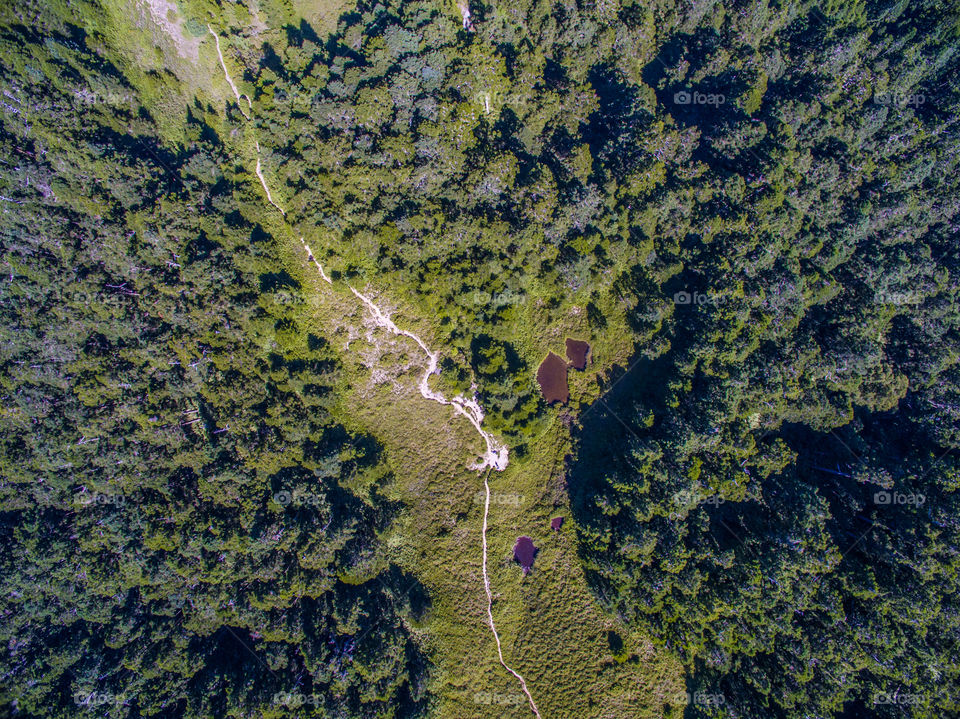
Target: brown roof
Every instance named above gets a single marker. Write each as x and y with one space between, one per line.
556 523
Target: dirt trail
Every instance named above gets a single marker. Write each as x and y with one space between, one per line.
233 87
313 259
464 6
267 189
496 455
486 586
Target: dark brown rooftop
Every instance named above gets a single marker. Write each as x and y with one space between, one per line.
577 351
552 378
556 523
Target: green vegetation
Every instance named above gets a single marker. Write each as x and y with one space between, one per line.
173 479
771 489
222 493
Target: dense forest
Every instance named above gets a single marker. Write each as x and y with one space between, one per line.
177 535
771 487
760 200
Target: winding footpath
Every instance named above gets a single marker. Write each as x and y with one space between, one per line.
496 454
486 586
226 74
495 457
267 189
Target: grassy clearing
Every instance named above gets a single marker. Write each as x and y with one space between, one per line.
168 55
322 15
552 630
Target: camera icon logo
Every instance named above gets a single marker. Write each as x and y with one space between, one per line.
682 298
282 498
881 497
682 98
